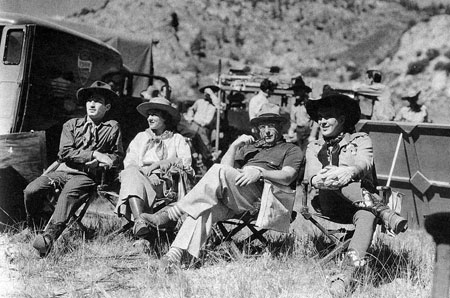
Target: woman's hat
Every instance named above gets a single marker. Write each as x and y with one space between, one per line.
329 98
412 96
98 87
299 84
206 84
158 103
269 113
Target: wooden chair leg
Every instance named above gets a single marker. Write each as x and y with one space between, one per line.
337 250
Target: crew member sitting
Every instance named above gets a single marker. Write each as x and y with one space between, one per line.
201 114
232 187
86 144
340 168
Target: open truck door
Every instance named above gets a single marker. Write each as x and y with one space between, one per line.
13 43
22 154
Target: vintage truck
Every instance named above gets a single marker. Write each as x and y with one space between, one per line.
43 65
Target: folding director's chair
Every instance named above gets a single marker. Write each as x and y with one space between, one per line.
226 230
340 236
77 217
182 184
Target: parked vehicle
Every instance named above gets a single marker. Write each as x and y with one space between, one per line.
42 66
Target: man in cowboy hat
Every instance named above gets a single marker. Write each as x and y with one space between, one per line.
302 128
341 171
201 114
86 145
414 112
233 186
266 88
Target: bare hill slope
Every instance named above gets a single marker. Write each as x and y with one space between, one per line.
326 41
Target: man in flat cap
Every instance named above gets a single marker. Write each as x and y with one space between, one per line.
233 186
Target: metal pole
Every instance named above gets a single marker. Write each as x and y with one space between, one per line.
218 108
152 70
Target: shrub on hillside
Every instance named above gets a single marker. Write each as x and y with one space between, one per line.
447 54
417 66
311 72
445 66
432 53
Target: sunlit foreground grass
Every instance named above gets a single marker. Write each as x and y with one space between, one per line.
118 266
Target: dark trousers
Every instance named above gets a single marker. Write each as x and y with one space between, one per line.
75 189
338 205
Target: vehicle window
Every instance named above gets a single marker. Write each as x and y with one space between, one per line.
13 49
1 31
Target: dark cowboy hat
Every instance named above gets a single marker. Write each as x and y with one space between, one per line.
158 103
299 84
331 98
98 87
412 96
269 113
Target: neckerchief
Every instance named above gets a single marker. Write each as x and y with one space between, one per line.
332 148
154 140
90 131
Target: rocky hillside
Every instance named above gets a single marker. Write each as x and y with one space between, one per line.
327 41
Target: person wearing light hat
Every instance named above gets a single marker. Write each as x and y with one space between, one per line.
302 128
150 156
233 186
86 144
414 112
340 169
201 114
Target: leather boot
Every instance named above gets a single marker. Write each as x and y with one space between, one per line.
140 228
43 243
391 220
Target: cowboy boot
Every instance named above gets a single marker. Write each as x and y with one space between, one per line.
391 220
140 228
344 282
43 243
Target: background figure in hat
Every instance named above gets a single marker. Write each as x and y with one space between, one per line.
86 144
201 114
340 169
414 112
233 186
374 97
150 156
256 102
302 128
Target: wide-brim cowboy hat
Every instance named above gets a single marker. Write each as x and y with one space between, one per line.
269 113
98 87
349 106
299 84
158 103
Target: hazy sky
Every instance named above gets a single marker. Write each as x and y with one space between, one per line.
49 8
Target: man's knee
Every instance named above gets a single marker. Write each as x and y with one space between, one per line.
33 188
364 218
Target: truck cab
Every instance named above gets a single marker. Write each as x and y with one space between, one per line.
42 66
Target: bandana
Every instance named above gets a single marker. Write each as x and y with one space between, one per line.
331 147
154 140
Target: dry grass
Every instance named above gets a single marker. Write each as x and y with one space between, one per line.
121 267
